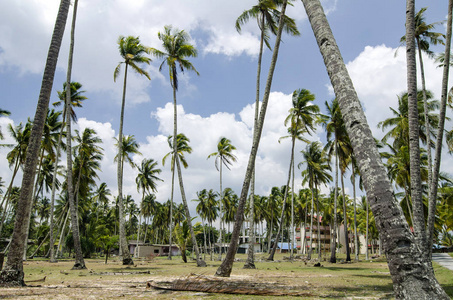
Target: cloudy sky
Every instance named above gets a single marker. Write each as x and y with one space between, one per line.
217 103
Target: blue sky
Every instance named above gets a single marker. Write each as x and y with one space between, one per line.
217 103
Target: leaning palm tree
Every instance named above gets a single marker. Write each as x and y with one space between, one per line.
182 145
267 17
226 267
133 54
176 51
12 273
146 181
412 277
223 156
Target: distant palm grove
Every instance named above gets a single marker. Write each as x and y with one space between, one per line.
400 204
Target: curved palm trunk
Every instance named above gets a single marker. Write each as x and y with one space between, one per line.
225 268
412 278
200 261
12 273
440 130
333 245
127 260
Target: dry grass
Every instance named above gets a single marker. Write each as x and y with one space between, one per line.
362 280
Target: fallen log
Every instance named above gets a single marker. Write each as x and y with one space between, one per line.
205 284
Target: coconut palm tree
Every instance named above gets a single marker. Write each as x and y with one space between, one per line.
315 174
425 37
202 211
337 146
302 117
440 131
76 99
146 181
411 276
182 145
223 156
12 273
225 268
133 53
267 16
177 50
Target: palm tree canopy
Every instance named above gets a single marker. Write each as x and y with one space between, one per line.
176 51
399 124
129 147
318 168
147 176
223 154
267 16
182 146
76 98
424 34
133 54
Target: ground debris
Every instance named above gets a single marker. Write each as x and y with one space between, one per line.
211 284
121 273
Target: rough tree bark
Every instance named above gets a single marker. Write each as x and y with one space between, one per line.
411 275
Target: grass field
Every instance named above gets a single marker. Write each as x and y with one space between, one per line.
357 280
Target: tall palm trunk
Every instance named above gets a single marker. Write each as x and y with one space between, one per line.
333 245
367 222
250 263
282 215
52 197
221 212
175 147
73 205
345 220
310 248
412 278
414 134
440 134
200 261
12 273
318 223
225 268
356 238
127 260
292 235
